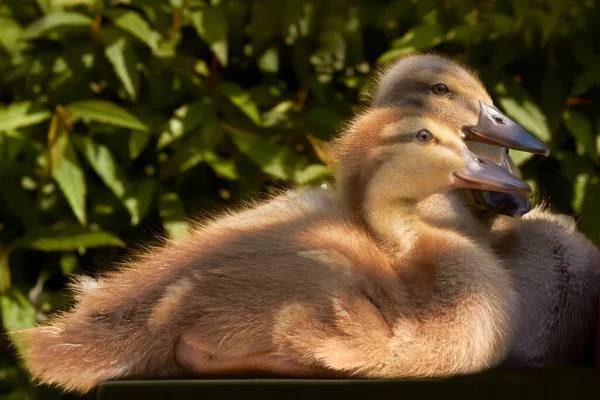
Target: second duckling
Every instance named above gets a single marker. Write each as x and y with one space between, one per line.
555 267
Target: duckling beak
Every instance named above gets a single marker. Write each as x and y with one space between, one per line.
482 174
495 128
508 204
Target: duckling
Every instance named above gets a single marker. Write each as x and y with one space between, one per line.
375 292
556 267
411 299
564 331
442 88
439 86
558 280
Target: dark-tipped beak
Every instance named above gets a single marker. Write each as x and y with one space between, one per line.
482 174
508 204
495 128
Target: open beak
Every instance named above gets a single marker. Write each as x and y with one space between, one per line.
482 174
497 129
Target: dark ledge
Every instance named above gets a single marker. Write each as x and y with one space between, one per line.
506 384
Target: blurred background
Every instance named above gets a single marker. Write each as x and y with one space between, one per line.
121 118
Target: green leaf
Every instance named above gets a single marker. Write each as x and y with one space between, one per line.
579 188
528 115
265 23
520 157
73 3
172 213
65 238
224 168
211 25
419 38
311 173
44 5
106 112
101 159
71 180
177 3
584 82
137 143
5 279
241 99
185 119
17 311
20 114
590 60
68 174
135 197
10 33
55 20
572 165
11 145
281 114
269 61
68 263
581 129
138 199
132 22
186 67
196 147
157 12
519 105
121 54
273 160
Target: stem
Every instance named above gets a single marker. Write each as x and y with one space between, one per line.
176 18
301 96
97 24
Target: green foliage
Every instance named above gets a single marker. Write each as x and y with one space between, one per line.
119 119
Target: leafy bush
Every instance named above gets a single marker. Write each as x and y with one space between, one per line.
120 118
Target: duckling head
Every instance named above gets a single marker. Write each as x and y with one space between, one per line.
395 155
445 89
441 87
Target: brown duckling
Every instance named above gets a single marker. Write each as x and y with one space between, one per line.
556 268
439 87
376 292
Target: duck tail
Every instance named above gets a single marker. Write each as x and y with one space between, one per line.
80 349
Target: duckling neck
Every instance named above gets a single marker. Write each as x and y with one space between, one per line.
395 223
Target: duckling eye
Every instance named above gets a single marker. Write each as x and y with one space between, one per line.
424 136
440 89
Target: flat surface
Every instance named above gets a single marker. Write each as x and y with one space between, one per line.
559 383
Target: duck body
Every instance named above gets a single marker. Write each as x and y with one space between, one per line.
558 281
380 294
125 324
